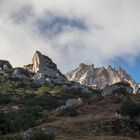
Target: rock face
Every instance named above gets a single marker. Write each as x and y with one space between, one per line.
41 64
110 88
6 69
138 91
22 73
98 77
45 69
5 65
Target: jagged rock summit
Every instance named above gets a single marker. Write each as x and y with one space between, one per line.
98 77
40 63
45 69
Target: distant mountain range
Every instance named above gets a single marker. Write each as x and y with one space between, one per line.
100 77
44 70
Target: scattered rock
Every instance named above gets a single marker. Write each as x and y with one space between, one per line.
74 102
59 109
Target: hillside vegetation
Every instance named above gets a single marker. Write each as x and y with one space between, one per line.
29 107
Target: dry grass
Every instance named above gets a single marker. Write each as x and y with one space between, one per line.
72 128
95 138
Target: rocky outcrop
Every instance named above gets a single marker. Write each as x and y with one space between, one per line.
45 69
42 70
108 90
74 102
6 69
138 91
69 103
99 77
41 64
22 73
5 65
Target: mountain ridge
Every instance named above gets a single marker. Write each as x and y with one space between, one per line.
44 70
99 77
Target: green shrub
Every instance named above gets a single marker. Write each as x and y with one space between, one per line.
130 108
120 91
35 135
119 94
19 121
45 101
5 124
69 111
40 135
11 137
50 89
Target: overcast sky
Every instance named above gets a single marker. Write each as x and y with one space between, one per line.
70 31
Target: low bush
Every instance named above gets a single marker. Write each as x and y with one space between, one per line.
35 135
130 108
40 135
45 101
19 121
119 94
69 111
120 91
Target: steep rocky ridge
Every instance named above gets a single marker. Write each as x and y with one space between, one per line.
45 69
100 77
42 70
6 69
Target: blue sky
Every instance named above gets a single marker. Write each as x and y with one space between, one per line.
102 32
133 69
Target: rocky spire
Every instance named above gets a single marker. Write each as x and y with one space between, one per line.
37 61
44 68
41 63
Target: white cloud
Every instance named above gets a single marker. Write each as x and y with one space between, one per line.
113 31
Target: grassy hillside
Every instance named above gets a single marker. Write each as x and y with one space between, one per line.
97 120
25 106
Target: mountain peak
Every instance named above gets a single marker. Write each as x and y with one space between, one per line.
101 76
44 68
85 66
37 52
40 63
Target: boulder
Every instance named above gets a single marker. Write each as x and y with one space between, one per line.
60 109
110 88
74 102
